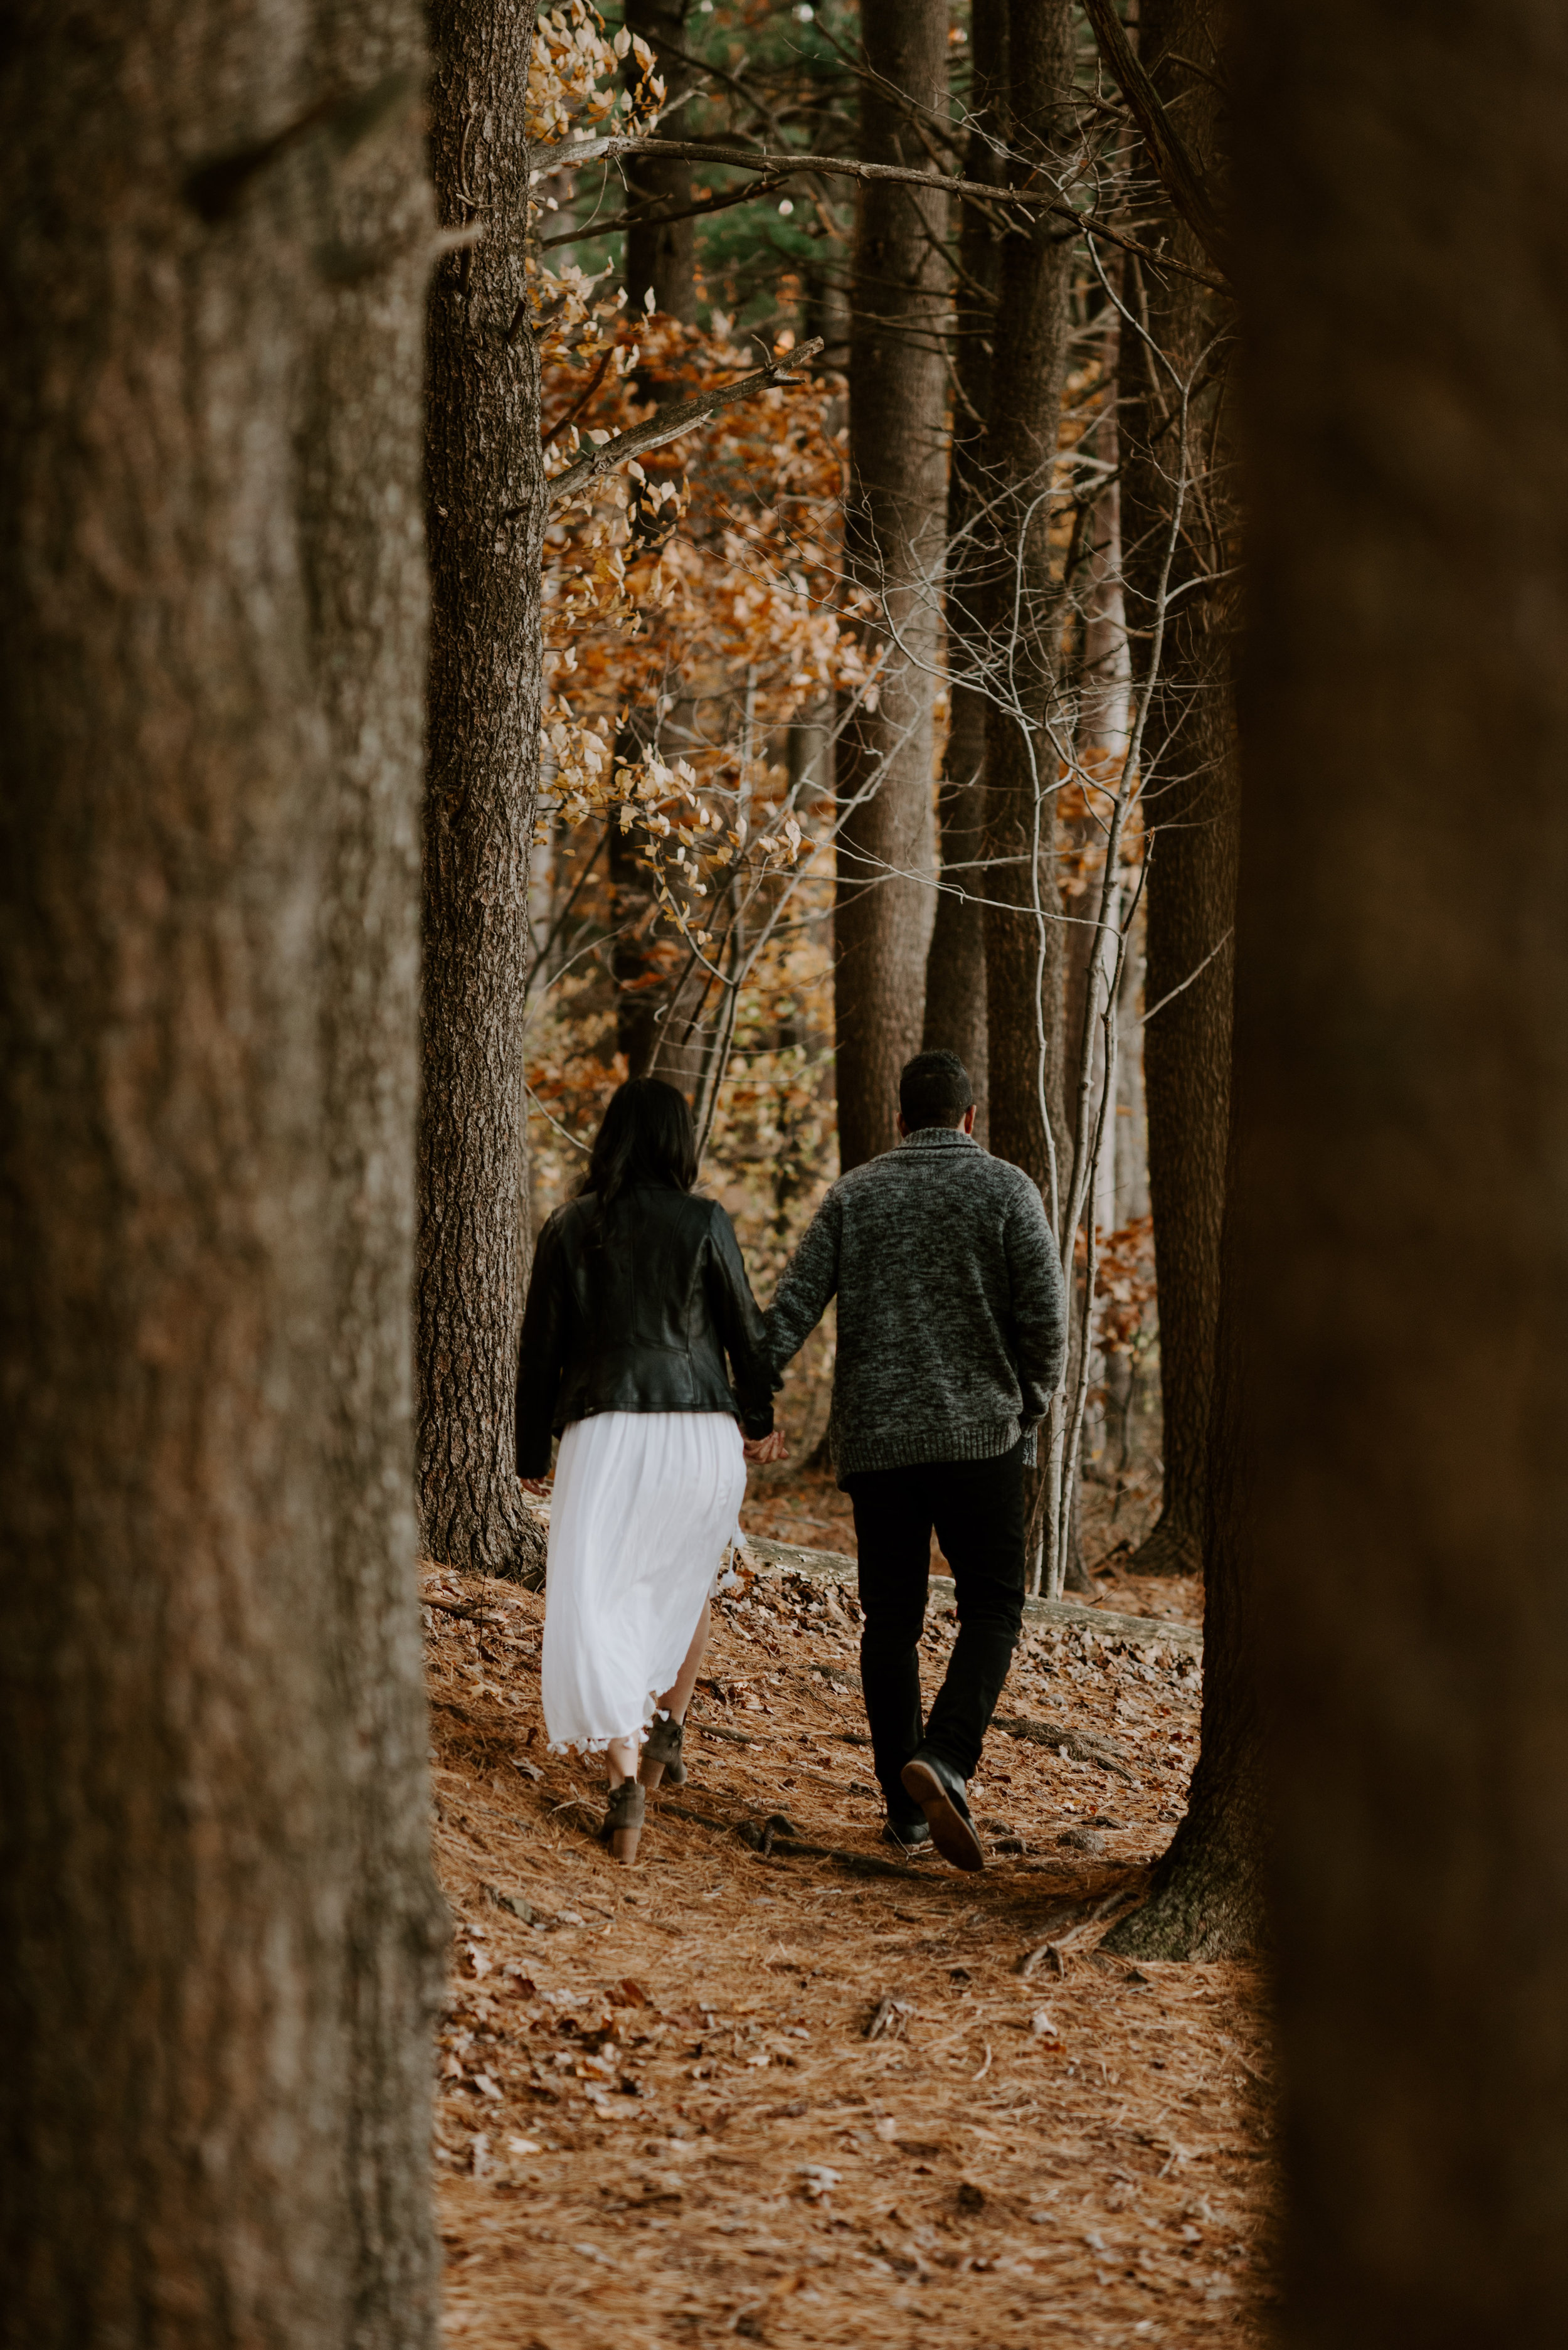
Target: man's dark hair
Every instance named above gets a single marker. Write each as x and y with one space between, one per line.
646 1142
934 1090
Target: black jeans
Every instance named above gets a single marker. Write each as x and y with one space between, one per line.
977 1509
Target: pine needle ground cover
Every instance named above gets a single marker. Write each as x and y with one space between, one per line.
773 2083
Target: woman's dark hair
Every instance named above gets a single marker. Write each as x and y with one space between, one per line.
646 1138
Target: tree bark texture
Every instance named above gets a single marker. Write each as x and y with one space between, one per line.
1405 878
486 512
1020 608
894 530
660 262
1191 790
1207 1896
662 256
364 449
955 962
214 2107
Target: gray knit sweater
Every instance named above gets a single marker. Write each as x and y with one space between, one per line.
951 1309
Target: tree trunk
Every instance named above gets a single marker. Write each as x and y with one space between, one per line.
1019 609
1207 1900
662 256
1191 790
894 525
486 510
1023 952
364 507
661 266
1406 860
207 2138
955 964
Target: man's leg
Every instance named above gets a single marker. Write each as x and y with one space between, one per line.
979 1511
893 1535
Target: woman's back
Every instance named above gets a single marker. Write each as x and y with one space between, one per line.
634 1308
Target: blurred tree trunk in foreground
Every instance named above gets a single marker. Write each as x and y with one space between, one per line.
217 1908
893 536
1189 757
486 533
1406 872
364 448
955 963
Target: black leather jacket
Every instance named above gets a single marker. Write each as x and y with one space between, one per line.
636 1313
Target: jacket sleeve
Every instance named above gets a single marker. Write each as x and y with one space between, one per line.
541 1355
738 1322
807 1283
1039 1300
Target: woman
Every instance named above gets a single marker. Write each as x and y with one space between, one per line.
638 1295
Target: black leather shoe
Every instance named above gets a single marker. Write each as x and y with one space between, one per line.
941 1795
907 1835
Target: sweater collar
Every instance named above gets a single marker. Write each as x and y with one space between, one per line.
938 1137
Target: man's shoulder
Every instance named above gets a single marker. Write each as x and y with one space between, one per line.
970 1170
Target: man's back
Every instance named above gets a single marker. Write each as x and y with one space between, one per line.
951 1311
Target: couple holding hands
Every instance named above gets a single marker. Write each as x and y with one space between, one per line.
951 1339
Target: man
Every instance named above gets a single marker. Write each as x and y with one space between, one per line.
951 1339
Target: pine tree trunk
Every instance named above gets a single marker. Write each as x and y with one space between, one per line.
201 2139
955 963
651 1011
1019 608
1022 948
1190 789
364 506
1404 873
662 256
1207 1896
486 512
893 528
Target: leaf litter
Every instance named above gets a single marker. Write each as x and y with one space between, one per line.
797 2088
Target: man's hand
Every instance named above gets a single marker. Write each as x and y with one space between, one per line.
538 1486
760 1450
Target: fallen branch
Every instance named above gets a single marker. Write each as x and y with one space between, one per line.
1053 1950
474 1615
844 167
1080 1745
676 416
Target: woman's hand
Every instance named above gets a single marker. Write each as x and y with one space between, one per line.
538 1486
760 1450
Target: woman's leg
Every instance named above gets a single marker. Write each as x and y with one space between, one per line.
620 1760
678 1696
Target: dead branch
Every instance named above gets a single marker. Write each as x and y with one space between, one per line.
654 215
1079 1745
676 416
613 149
1180 175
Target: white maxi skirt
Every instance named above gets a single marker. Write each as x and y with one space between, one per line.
643 1505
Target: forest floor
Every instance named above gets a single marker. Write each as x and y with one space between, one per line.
811 2094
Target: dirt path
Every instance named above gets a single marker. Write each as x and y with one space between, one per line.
663 2122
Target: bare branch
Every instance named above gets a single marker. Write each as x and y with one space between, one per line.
1180 175
617 146
652 217
676 416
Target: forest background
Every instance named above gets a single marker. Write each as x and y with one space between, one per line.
768 858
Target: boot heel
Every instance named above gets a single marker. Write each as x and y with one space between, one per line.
661 1755
624 1813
